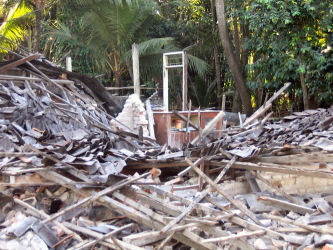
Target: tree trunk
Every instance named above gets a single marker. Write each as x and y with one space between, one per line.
39 9
236 38
218 75
305 91
244 53
234 64
236 102
216 55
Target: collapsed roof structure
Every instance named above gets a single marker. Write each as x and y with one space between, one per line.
70 180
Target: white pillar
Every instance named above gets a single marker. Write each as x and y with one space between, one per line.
69 63
165 84
136 69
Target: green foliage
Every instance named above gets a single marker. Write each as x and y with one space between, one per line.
287 39
104 31
17 20
283 39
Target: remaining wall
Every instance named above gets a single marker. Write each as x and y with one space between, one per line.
296 184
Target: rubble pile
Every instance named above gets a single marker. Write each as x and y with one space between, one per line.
72 180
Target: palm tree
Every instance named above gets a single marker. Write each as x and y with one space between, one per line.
16 20
108 28
19 18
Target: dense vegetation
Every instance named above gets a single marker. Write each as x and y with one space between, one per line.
244 49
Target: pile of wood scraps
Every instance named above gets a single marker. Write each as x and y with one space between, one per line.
69 180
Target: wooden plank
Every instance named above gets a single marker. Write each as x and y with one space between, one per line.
165 241
95 196
285 205
187 139
201 182
209 127
187 237
156 164
19 62
134 211
199 127
172 155
103 237
258 113
24 78
199 207
223 102
155 202
107 242
239 243
201 196
143 238
266 105
271 168
249 225
307 227
235 236
252 182
237 204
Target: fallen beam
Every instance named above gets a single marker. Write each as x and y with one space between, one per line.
238 205
285 205
19 62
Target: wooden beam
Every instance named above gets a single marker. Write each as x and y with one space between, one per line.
209 127
270 168
237 204
19 62
296 223
201 196
285 205
95 196
143 238
266 105
187 138
134 211
186 237
235 236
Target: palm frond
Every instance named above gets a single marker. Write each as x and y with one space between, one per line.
153 46
14 27
198 65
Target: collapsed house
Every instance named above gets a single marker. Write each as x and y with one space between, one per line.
75 177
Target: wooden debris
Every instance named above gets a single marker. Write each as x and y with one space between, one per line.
209 127
238 236
286 205
239 205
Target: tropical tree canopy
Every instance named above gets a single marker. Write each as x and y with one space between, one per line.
243 49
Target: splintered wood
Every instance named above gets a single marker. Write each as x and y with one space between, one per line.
70 180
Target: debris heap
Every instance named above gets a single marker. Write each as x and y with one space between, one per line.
71 181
